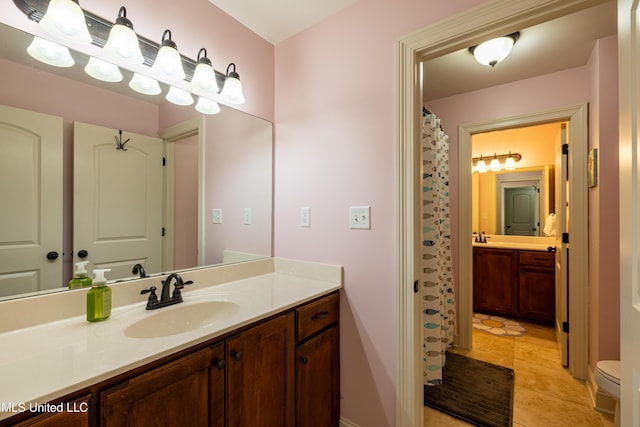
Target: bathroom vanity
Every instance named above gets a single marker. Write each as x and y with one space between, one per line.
514 282
272 360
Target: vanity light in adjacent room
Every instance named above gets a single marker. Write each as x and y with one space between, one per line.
481 166
65 19
179 97
204 78
123 41
232 89
510 163
144 85
50 53
495 164
103 70
168 62
495 50
207 106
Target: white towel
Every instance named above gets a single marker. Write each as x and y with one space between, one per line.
550 225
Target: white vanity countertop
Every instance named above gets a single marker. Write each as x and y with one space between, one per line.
44 362
517 242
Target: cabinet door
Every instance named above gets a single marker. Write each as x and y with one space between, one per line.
318 381
537 293
495 278
175 394
260 375
216 386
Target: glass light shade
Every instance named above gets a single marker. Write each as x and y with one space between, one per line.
510 163
481 166
168 64
103 70
493 51
207 106
50 53
123 44
179 97
204 78
65 19
232 91
495 165
145 85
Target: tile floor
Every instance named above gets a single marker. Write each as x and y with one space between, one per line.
545 394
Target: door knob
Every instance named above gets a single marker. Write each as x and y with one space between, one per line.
82 253
53 255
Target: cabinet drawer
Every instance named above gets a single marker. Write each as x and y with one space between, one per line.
543 259
317 315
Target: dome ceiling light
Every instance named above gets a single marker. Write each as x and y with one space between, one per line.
495 50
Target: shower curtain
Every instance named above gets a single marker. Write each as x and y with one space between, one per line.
436 281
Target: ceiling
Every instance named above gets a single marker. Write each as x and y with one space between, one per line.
549 47
276 20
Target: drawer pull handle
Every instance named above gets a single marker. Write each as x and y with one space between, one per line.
304 360
221 364
237 355
320 315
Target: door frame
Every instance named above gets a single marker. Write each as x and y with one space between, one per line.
456 32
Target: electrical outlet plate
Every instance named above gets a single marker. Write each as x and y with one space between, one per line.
247 216
360 217
216 216
305 217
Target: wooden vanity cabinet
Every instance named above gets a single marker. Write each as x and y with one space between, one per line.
318 363
76 414
494 280
537 282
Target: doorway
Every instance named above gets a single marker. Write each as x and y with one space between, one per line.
457 32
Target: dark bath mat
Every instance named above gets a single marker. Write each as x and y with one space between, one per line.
477 392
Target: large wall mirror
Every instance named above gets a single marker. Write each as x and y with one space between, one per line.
519 201
195 189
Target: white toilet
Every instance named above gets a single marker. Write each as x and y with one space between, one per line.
608 379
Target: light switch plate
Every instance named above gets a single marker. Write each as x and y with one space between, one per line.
216 216
305 217
247 216
360 217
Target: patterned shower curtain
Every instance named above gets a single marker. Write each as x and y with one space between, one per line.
437 277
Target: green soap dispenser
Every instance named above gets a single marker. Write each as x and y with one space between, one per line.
99 297
80 277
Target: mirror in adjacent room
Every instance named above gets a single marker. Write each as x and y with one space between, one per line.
222 162
519 201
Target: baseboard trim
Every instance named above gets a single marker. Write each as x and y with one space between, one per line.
346 423
601 400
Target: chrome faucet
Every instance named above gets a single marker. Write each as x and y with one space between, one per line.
165 299
139 269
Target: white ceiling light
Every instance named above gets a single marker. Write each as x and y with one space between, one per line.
123 41
103 70
179 97
168 63
204 78
481 166
510 163
495 164
50 53
493 51
144 85
65 19
232 89
207 106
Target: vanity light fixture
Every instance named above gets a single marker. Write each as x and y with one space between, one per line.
207 106
144 85
123 41
495 50
168 62
50 53
103 70
65 19
232 89
204 78
178 96
496 165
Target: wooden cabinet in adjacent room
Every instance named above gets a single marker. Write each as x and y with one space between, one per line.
536 280
494 280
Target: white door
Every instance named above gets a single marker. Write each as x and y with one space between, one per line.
118 200
562 249
31 194
629 99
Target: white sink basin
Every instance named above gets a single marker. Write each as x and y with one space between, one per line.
181 318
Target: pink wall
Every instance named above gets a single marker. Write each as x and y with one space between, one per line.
335 141
185 254
604 244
